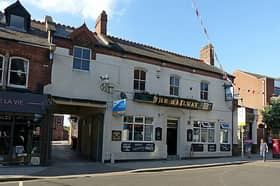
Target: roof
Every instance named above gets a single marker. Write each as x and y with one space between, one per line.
259 76
122 45
38 35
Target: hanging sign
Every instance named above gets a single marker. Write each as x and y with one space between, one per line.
119 107
241 116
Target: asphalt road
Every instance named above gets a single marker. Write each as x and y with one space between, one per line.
251 174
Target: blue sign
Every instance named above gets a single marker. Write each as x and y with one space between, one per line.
119 107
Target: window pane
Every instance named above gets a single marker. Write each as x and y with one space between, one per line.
224 136
136 74
171 91
171 80
148 133
86 54
136 85
149 120
17 21
196 135
138 132
18 65
143 75
85 64
1 62
196 124
204 133
139 119
176 91
127 132
17 78
0 76
142 85
128 119
211 135
77 52
177 81
77 63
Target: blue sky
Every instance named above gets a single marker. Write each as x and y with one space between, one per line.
245 34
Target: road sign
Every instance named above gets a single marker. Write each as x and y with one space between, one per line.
241 116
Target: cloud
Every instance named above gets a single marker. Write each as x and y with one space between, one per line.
85 8
4 4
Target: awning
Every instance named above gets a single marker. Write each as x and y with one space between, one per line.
79 102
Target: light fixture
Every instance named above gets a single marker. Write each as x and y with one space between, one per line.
52 48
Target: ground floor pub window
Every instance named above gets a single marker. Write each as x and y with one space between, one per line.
224 133
203 132
137 128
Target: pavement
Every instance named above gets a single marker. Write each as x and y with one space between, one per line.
66 164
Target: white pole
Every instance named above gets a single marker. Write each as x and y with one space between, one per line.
242 143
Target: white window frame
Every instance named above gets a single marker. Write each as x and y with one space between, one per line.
3 61
139 80
174 85
202 91
222 131
9 72
90 54
205 125
137 123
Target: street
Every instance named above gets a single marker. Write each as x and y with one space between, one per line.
252 174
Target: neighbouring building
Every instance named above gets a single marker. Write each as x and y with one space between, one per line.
256 95
58 133
175 105
25 68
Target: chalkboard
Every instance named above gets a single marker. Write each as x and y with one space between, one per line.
137 147
197 147
211 147
158 132
225 147
189 135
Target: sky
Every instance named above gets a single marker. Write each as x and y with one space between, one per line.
245 33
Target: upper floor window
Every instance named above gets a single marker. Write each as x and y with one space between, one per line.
174 86
81 59
17 22
276 87
18 72
139 80
204 91
1 68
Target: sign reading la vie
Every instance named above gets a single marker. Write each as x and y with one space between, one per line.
172 101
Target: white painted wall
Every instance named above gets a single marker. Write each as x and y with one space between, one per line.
70 83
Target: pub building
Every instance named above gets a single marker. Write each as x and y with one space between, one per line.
24 70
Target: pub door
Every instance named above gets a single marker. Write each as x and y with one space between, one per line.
171 139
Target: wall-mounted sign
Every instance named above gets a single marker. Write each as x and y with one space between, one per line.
228 93
119 107
137 147
197 147
158 132
23 102
173 101
116 135
241 116
211 147
189 135
225 147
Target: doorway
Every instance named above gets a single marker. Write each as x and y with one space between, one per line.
171 139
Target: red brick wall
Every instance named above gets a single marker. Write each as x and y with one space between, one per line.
58 128
39 65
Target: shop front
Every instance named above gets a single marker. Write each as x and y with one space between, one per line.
24 128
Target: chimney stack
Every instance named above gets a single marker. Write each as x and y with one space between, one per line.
101 24
207 54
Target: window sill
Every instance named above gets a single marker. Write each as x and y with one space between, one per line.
80 70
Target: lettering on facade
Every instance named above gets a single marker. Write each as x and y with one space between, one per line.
4 101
